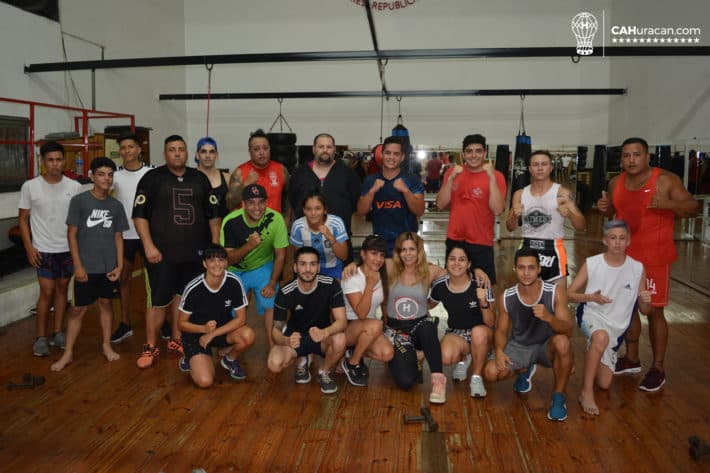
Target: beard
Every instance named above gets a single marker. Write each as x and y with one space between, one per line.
324 159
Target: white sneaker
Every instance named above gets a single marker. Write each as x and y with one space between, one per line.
461 369
478 389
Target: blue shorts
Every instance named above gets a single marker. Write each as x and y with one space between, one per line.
255 280
55 265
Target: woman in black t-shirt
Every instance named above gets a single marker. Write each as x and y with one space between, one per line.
470 323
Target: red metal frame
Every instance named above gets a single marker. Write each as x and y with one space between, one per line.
86 115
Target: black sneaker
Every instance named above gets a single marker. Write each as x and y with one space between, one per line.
122 332
166 331
354 373
184 365
327 385
653 381
303 373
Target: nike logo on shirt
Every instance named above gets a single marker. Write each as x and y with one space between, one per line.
99 216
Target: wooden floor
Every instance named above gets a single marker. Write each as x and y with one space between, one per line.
112 417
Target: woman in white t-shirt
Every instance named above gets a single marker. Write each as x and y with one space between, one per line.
364 293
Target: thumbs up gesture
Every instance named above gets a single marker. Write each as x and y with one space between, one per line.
603 203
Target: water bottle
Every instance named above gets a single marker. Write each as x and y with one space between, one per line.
79 164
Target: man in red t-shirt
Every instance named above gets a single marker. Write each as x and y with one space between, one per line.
260 169
433 173
475 195
648 200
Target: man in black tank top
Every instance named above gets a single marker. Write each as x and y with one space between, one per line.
538 321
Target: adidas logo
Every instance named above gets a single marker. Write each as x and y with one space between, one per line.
628 286
298 307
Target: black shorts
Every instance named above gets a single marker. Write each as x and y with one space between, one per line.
307 345
433 185
97 287
191 345
131 248
481 257
552 256
166 280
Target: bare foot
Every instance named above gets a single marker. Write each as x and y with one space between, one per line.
62 362
588 405
110 354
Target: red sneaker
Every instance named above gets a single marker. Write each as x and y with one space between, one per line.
175 346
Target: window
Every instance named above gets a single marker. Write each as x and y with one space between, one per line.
14 163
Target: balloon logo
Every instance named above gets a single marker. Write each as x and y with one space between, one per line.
584 26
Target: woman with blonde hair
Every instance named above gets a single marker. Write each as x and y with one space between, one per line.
409 325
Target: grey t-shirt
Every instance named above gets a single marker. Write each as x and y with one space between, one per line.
97 221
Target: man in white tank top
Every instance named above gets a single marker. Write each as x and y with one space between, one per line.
613 282
541 208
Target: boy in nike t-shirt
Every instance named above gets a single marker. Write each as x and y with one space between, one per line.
95 223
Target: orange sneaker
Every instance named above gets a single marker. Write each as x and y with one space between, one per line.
175 346
149 355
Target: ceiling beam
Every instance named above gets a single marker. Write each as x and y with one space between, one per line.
373 34
396 54
395 93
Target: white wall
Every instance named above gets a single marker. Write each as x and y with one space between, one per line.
669 97
131 28
226 26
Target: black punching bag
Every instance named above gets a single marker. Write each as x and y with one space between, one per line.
521 162
599 170
502 160
521 159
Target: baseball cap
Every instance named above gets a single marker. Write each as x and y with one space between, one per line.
253 191
206 140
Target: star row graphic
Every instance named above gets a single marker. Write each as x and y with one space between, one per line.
656 40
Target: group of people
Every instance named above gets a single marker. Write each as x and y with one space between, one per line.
209 239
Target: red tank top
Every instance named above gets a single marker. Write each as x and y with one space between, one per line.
651 229
271 178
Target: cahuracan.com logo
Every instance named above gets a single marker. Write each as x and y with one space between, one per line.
637 34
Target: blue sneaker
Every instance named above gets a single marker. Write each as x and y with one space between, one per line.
558 409
234 368
184 365
523 383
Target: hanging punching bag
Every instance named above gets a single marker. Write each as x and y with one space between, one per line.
521 160
599 170
401 132
502 160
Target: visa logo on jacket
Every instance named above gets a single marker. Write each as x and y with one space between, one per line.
389 204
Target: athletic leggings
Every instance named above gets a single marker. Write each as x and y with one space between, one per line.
423 337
